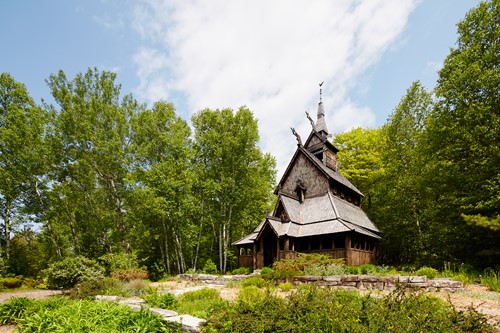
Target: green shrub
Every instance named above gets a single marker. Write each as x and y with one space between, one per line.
267 273
91 288
430 272
250 294
33 283
70 271
210 267
242 271
129 274
491 279
118 261
14 309
256 281
368 269
286 286
353 270
164 301
200 303
313 309
11 282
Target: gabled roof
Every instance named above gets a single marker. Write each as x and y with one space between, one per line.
320 215
320 138
329 173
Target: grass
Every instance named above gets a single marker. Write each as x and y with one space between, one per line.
64 315
491 279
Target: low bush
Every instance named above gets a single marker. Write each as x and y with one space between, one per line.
353 270
67 273
11 282
368 269
267 273
250 294
256 281
286 286
312 309
129 274
430 272
33 283
210 267
242 271
201 303
164 301
91 288
314 264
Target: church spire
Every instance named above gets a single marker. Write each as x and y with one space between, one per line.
320 122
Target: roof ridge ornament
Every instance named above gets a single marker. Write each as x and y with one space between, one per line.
311 121
321 92
320 121
297 136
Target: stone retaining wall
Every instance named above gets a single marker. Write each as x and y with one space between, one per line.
347 281
361 282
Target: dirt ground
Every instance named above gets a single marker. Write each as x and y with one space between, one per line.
479 297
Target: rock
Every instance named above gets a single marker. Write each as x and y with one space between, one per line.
163 312
349 278
368 278
308 278
189 323
107 298
417 279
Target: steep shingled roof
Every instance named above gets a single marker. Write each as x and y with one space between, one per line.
320 215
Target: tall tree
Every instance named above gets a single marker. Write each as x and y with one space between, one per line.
22 126
360 159
401 199
464 138
239 176
164 178
91 145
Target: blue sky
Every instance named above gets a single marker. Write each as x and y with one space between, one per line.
267 55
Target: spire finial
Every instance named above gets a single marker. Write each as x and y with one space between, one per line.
321 92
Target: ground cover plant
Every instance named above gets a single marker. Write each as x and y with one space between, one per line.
312 309
64 315
491 279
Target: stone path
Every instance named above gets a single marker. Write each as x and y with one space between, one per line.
188 323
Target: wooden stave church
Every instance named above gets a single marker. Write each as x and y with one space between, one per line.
317 210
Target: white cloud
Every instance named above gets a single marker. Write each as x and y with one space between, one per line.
268 55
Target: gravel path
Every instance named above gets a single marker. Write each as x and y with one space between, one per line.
34 294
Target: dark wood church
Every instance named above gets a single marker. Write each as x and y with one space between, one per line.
317 210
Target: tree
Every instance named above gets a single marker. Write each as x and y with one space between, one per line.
401 196
22 126
463 133
164 179
239 177
360 159
91 150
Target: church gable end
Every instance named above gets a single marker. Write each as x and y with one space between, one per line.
304 173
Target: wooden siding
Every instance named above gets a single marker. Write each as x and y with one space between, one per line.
314 181
245 261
